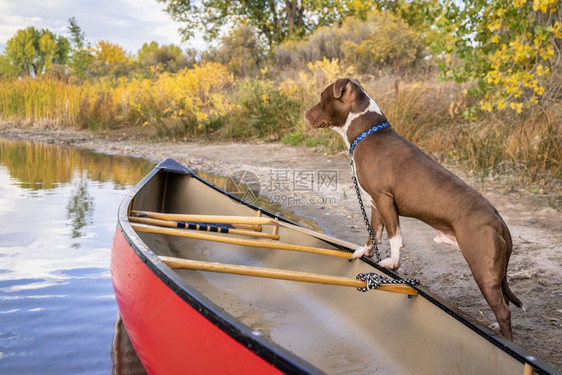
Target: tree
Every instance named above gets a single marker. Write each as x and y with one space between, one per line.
239 51
53 50
110 53
391 44
7 70
273 20
167 58
110 59
510 47
383 41
81 57
21 51
77 36
31 52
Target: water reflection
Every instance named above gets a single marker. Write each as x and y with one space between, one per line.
37 165
80 207
124 359
58 210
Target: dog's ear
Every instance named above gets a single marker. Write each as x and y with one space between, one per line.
339 86
357 83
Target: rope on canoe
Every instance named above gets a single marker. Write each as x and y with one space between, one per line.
374 281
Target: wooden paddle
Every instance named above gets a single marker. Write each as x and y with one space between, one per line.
217 219
208 228
528 369
273 273
239 220
143 228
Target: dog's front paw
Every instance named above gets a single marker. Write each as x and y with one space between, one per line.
495 327
390 264
364 250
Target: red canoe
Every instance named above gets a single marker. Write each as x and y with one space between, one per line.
174 227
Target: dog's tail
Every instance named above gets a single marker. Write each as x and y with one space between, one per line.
508 294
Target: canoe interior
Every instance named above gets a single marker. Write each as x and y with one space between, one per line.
336 329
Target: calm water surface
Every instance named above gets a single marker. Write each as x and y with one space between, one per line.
58 209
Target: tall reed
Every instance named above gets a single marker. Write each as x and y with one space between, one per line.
206 101
42 102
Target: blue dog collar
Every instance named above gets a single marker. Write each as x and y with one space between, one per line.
365 134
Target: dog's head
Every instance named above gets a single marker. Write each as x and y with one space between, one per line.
337 102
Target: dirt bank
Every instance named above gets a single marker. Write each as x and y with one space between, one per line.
318 186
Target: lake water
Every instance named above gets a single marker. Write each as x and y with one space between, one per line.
58 209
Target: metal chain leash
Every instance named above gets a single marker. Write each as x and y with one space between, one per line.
365 218
374 280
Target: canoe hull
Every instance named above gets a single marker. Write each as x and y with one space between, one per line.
169 335
182 321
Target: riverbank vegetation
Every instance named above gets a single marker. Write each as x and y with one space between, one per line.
479 84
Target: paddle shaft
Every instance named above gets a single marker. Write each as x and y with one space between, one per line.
272 273
239 241
209 227
217 219
237 222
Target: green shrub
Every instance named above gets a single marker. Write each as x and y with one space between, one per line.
382 42
262 111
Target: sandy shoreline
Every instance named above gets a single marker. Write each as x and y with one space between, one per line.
318 186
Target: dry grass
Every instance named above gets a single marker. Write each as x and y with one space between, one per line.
43 102
430 113
207 101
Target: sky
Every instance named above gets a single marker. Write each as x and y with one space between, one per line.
129 23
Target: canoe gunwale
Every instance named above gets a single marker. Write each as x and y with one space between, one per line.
271 352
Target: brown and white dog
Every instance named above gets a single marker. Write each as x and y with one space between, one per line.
400 179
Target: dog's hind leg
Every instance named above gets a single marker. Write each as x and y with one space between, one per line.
486 257
446 238
495 298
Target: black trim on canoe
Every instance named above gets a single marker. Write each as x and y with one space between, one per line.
272 353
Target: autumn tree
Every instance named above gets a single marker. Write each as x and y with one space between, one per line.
273 20
32 52
7 70
21 51
53 50
239 51
110 59
168 58
509 47
382 42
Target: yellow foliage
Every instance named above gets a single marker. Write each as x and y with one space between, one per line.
495 25
110 53
542 71
557 30
513 84
393 43
188 92
195 93
330 69
545 5
40 101
517 107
